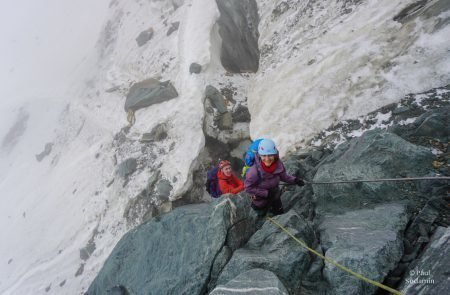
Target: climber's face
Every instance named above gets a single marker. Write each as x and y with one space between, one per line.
227 170
268 159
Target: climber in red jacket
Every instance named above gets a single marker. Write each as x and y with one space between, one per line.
228 182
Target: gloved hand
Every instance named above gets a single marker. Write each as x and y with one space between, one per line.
299 181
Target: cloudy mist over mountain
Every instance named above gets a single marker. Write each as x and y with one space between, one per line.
112 111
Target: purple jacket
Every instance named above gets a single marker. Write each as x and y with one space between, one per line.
258 182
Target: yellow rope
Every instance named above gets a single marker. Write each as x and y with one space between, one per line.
303 244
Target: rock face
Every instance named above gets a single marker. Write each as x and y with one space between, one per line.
238 28
149 92
272 249
376 154
366 241
178 252
258 281
429 275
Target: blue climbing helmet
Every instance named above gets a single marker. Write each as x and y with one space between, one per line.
267 147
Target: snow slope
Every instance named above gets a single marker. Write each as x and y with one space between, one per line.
323 62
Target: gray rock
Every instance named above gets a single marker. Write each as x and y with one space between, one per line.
434 124
238 28
376 154
256 281
47 150
241 114
173 28
368 242
144 37
127 167
272 249
216 99
158 133
429 274
195 68
149 92
174 253
163 188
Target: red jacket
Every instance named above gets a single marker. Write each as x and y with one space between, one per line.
229 184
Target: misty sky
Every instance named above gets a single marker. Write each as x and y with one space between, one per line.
43 42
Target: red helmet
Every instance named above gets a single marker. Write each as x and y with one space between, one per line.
224 163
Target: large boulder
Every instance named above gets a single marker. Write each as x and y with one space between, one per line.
238 28
272 249
177 253
149 92
368 242
376 154
258 281
429 274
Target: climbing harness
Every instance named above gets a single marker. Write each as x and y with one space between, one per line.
131 117
376 180
359 276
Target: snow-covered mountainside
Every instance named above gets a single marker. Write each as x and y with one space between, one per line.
76 176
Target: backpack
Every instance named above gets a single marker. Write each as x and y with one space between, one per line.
249 156
212 183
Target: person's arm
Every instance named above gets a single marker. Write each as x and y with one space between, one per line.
239 187
225 188
251 183
286 177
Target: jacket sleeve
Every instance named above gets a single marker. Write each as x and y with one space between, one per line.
225 188
286 177
252 182
240 184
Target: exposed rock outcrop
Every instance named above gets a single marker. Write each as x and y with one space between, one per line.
144 37
148 257
368 242
376 154
149 92
238 28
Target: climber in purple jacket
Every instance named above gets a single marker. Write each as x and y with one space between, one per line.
263 178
